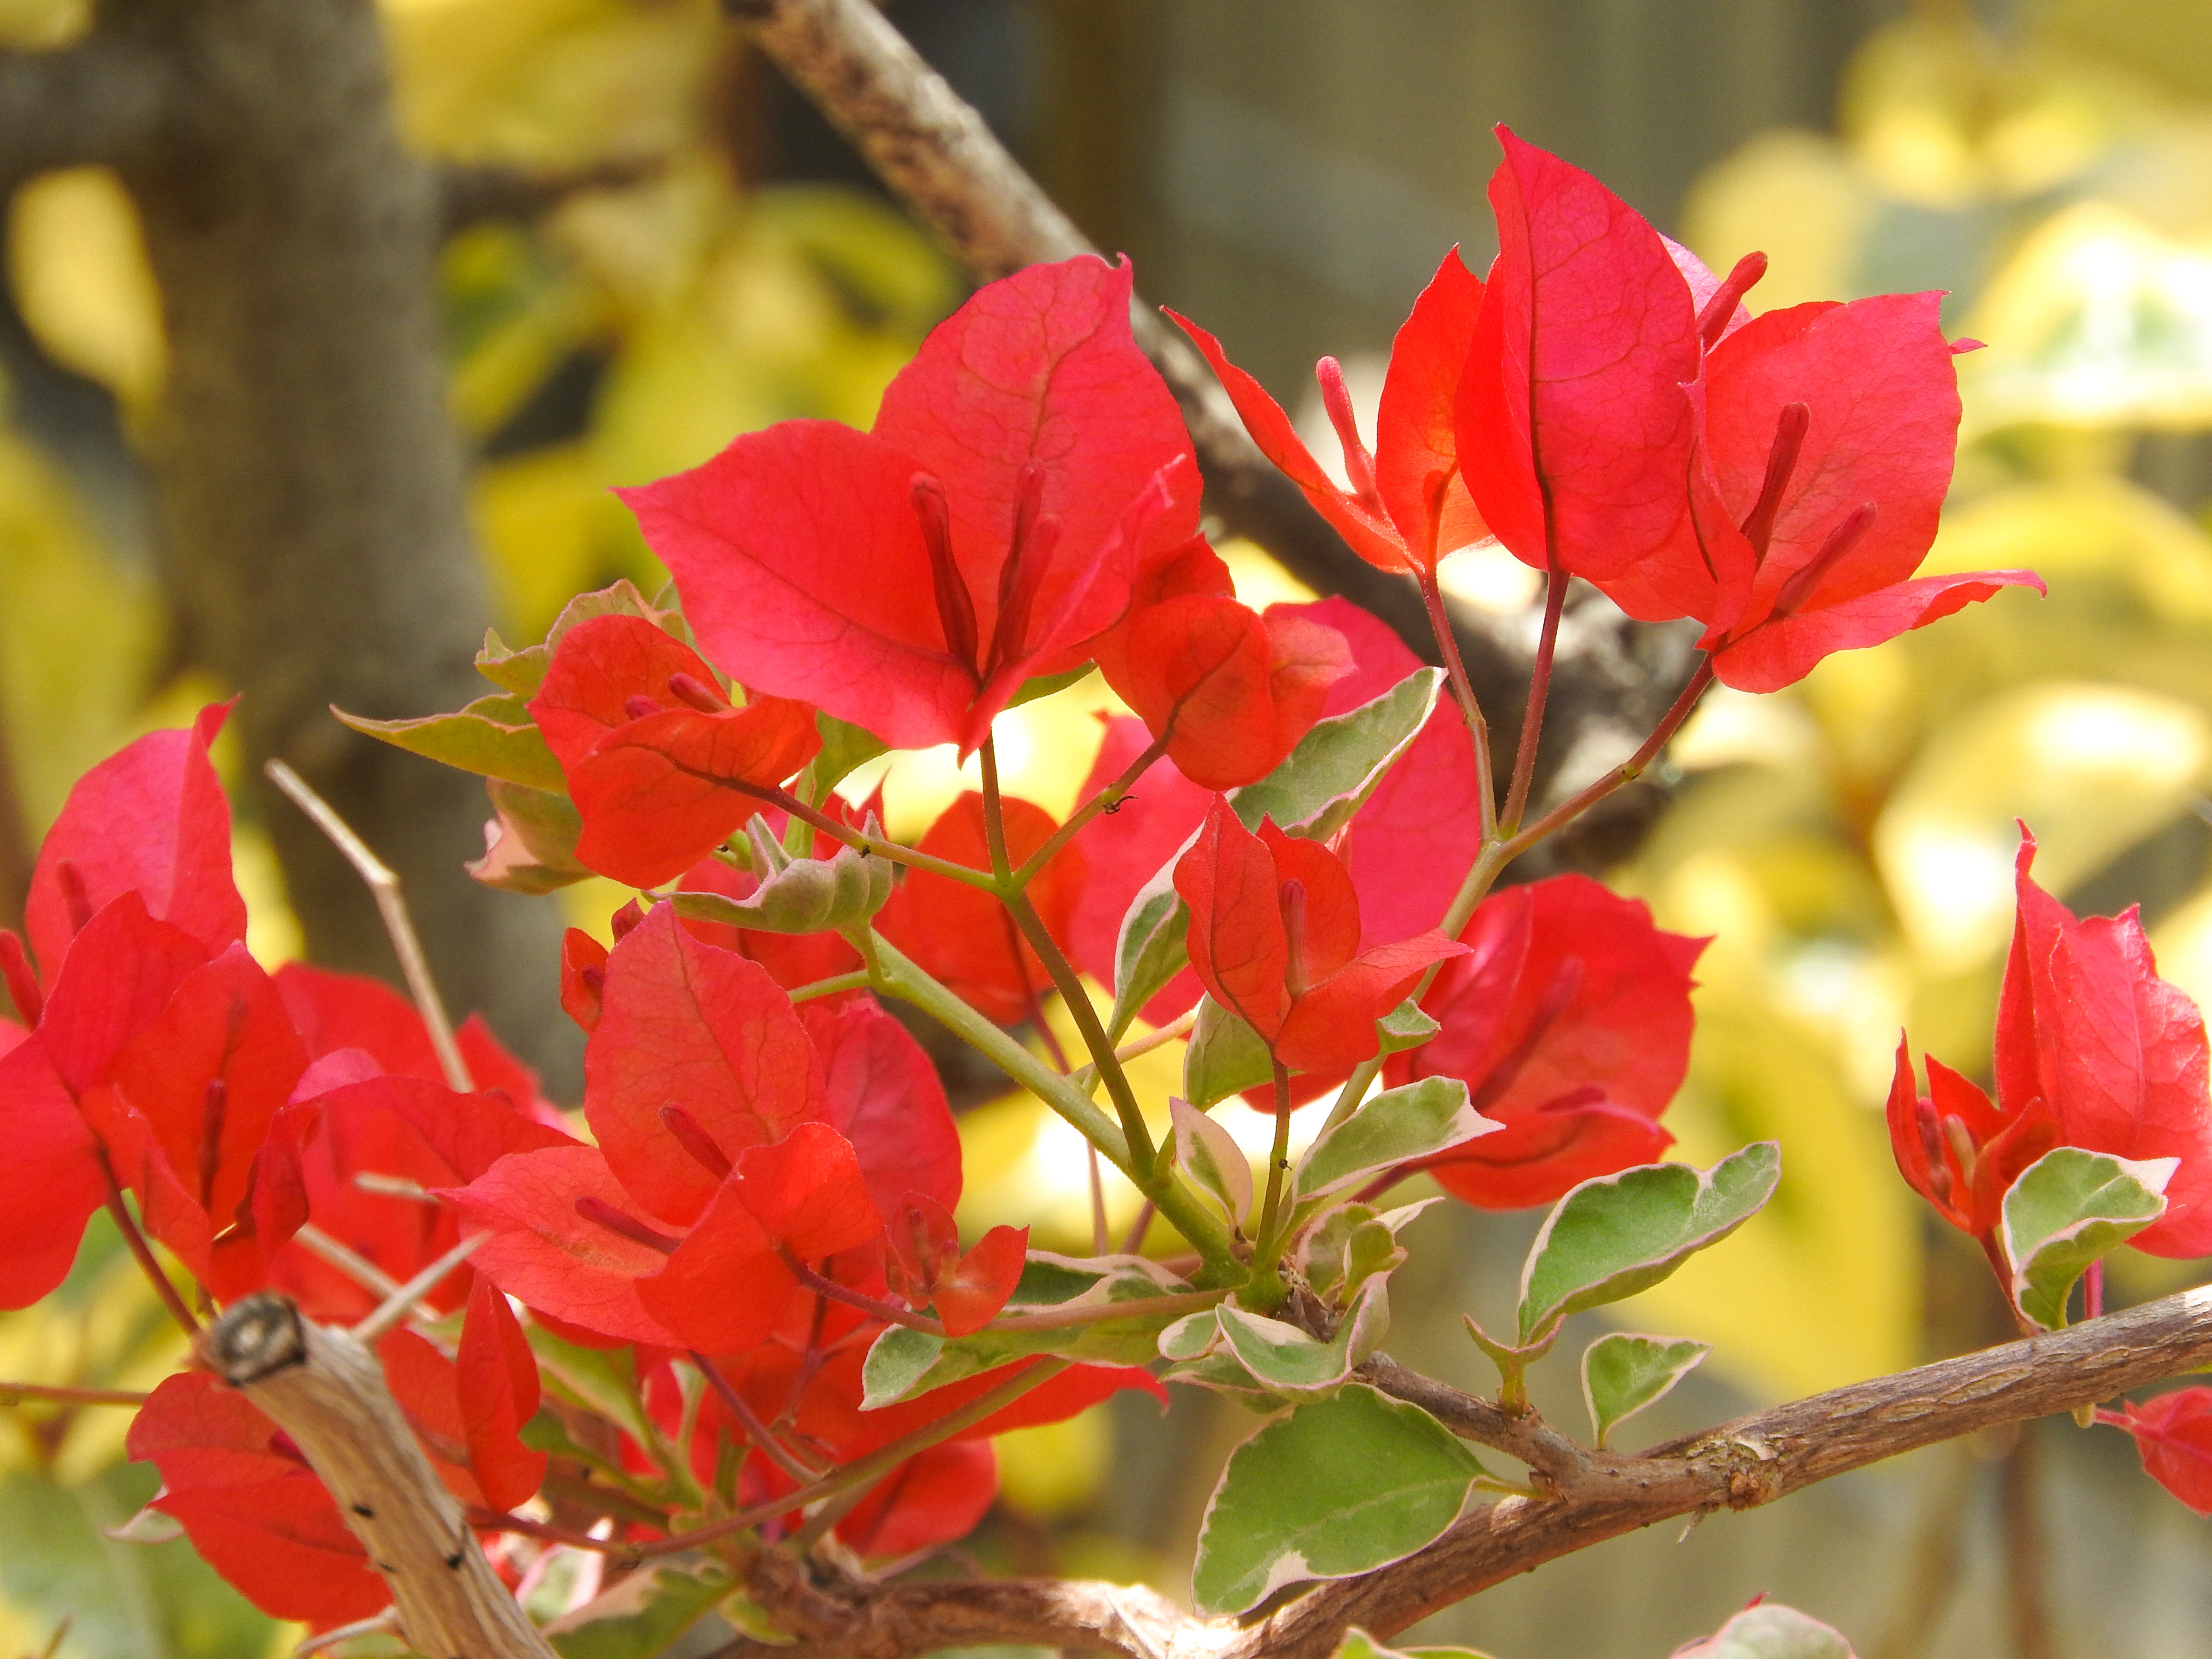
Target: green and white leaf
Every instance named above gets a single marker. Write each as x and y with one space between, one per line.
1395 1127
1347 1246
1771 1631
2068 1208
547 826
1409 1025
1152 946
903 1363
1220 1373
1339 1486
1286 1360
493 735
1619 1234
1209 1156
1223 1057
799 895
1358 1644
645 1613
1337 765
1623 1372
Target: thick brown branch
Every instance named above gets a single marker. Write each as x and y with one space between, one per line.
327 1392
1601 1495
103 100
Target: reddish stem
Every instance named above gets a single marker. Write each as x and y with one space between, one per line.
141 1251
1478 729
867 1304
1627 772
1539 692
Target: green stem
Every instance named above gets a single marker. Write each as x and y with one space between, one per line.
1478 729
855 981
861 841
897 976
1540 690
1181 1302
1142 1166
1279 1158
1105 800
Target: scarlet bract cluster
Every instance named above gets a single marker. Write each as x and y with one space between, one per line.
1285 850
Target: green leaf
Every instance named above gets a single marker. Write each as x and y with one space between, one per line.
2067 1209
844 746
1224 1056
1286 1360
1395 1127
903 1363
1336 766
1406 1026
1218 1371
1623 1373
798 895
1209 1156
1338 1486
520 672
602 1380
548 827
1045 684
1150 949
643 1614
1620 1234
493 735
1351 1244
1771 1631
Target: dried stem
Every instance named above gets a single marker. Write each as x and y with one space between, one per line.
401 1302
14 1394
392 905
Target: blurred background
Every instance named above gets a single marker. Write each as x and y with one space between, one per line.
646 243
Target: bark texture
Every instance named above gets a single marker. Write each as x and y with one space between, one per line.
307 484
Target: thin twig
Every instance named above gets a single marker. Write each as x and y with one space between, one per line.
141 1251
347 1260
749 1420
383 887
401 1302
1539 691
14 1394
377 1624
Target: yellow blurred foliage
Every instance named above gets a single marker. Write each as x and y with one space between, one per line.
77 265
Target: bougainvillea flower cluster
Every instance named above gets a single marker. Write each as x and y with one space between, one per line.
732 1291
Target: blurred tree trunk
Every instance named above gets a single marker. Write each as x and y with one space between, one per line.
307 484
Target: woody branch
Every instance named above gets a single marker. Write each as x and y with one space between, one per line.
1593 1496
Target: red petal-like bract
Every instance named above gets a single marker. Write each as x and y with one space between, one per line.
496 1378
333 1010
1275 937
548 1254
117 977
253 1511
964 936
687 1029
659 782
2173 1436
1418 508
971 1295
1925 1130
150 819
1232 692
1877 380
1570 1022
930 1499
881 1092
1574 433
2086 1025
803 565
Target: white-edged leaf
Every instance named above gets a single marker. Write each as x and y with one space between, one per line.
1153 945
1623 1371
798 895
1192 1337
1409 1025
1395 1127
903 1363
1337 765
1209 1156
1339 1486
1358 1644
2066 1210
1619 1234
1771 1631
644 1614
1286 1360
1223 1057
